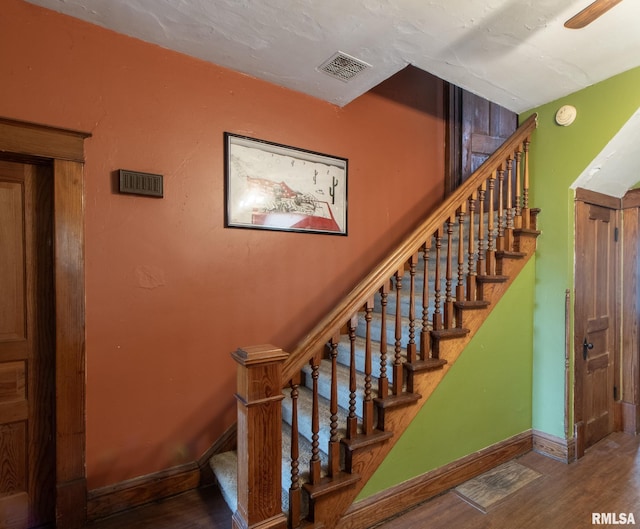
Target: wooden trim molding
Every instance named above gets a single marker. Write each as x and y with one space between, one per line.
631 199
453 157
599 199
391 502
70 337
64 149
579 440
138 491
131 493
42 141
630 335
554 447
134 492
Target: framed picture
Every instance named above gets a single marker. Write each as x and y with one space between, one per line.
275 187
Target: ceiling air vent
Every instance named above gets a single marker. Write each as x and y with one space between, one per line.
343 66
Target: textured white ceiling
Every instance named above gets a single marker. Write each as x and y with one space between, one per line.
514 52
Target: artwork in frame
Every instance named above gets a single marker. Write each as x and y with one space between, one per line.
276 187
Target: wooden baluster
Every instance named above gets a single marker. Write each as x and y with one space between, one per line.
383 380
501 219
334 439
526 213
295 492
425 336
437 292
411 346
481 248
491 249
508 232
367 404
460 290
352 418
517 223
397 362
448 281
471 279
314 463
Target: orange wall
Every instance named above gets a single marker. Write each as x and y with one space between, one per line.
169 291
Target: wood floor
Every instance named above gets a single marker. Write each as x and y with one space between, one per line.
606 480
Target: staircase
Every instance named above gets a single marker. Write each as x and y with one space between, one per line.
358 379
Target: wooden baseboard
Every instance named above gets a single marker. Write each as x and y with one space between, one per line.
122 496
554 447
391 502
144 489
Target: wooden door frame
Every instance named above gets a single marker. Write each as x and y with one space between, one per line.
606 201
453 131
630 301
64 151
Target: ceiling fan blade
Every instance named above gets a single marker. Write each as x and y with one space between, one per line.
590 13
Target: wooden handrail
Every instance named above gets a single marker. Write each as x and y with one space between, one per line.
322 333
483 269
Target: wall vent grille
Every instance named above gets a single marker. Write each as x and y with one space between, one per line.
136 183
343 66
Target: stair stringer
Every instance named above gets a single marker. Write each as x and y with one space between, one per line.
331 508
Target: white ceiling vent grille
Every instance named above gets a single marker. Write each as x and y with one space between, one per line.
343 66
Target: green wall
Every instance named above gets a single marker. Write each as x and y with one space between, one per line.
558 157
511 376
484 399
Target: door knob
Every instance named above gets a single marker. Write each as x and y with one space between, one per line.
585 348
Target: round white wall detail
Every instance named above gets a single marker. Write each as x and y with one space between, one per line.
566 115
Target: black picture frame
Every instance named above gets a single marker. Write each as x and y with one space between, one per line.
272 186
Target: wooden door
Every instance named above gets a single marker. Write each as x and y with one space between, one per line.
595 340
476 128
27 370
485 126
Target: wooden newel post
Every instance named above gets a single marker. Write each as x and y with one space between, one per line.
259 396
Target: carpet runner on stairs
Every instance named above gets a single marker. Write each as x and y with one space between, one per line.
225 465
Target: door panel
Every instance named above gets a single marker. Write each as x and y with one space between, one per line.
596 258
27 377
12 324
476 128
485 126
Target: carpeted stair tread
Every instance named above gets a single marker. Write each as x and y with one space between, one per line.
376 329
225 468
305 405
343 378
344 356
